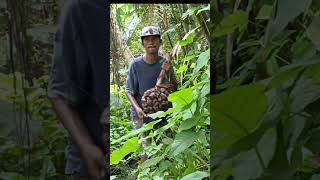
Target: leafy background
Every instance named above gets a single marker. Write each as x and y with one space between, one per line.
265 115
32 142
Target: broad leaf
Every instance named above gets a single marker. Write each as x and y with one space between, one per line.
286 12
237 20
182 97
313 32
198 175
202 60
182 141
188 38
265 12
151 162
182 69
189 123
130 146
237 111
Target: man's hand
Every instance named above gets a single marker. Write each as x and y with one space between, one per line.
140 113
166 65
95 161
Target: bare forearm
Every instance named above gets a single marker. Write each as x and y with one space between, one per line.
73 122
133 101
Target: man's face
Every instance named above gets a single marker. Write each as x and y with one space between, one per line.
151 44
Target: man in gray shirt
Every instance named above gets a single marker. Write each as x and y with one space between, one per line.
78 86
143 73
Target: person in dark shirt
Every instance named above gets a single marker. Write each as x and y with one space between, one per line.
79 84
143 73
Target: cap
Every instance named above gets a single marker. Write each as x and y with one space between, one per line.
150 31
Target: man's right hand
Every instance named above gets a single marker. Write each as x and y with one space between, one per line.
95 161
140 113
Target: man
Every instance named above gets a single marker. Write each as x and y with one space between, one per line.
79 83
143 73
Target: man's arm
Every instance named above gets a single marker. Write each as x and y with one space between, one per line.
136 106
72 121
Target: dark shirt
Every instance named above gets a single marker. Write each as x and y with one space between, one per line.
143 76
79 72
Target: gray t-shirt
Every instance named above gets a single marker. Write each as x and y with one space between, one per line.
143 76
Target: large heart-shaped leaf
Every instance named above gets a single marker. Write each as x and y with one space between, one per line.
237 111
182 141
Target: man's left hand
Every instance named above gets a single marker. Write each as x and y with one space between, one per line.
166 65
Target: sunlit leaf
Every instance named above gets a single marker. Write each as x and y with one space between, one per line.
202 60
130 146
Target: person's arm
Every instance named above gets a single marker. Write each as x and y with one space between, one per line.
63 91
72 121
167 66
136 106
131 89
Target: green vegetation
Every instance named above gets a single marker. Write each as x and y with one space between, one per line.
265 117
32 142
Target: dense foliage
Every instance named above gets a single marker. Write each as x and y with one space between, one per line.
265 117
32 142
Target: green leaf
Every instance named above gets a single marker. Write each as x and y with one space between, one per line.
188 58
221 173
313 31
286 12
191 167
135 132
202 60
188 38
130 146
284 75
303 94
265 12
237 20
167 141
207 8
151 162
303 48
202 138
189 123
243 162
182 69
182 97
279 164
182 141
238 110
158 178
189 12
198 175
